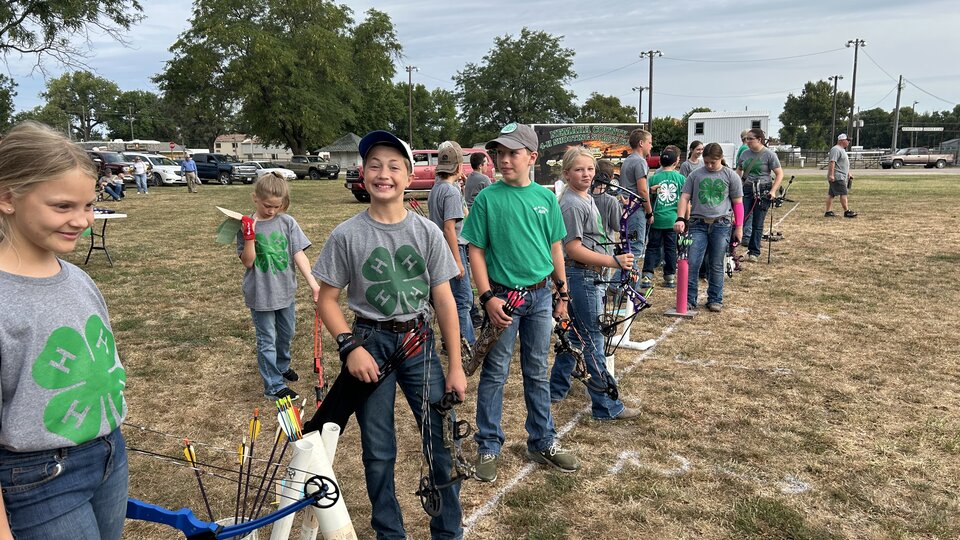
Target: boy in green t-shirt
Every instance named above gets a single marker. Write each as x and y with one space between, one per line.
514 230
665 186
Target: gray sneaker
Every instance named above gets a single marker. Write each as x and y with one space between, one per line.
716 308
486 467
556 457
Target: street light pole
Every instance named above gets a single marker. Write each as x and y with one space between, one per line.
833 121
639 102
856 44
913 123
650 55
410 70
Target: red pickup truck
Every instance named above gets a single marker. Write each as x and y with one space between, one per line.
424 172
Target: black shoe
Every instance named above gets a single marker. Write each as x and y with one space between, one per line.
849 214
291 375
286 392
829 213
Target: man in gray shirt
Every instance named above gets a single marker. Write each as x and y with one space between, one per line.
477 180
838 174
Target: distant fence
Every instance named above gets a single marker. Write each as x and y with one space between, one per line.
818 159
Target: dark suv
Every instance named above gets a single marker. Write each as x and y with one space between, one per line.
113 162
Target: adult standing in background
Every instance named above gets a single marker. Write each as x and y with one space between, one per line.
477 180
693 160
140 175
838 174
743 146
759 167
189 171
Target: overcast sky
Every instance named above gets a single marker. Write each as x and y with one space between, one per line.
726 55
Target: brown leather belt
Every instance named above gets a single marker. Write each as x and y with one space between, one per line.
539 285
391 325
593 267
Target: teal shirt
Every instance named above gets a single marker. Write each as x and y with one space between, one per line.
515 226
668 195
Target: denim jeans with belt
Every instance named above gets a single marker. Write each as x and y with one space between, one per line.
533 321
379 440
274 336
586 304
74 492
712 239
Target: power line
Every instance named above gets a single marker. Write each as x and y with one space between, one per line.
732 96
883 98
753 60
929 94
608 72
892 78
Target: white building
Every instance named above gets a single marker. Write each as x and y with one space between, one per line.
725 127
246 147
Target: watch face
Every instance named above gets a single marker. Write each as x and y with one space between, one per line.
343 337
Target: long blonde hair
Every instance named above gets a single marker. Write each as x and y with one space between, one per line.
31 153
273 185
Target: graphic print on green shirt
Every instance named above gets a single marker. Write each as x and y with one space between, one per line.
398 281
710 191
272 252
85 369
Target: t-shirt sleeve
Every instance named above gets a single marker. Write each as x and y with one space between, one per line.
573 219
687 186
736 186
440 264
451 206
656 179
557 229
475 226
332 266
773 162
642 168
298 239
834 155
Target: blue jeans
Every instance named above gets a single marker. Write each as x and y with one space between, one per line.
379 441
533 321
74 492
637 229
463 294
141 180
111 190
753 221
666 239
274 335
711 238
586 305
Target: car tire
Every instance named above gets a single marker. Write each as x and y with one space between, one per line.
157 180
897 164
885 166
361 196
225 179
314 174
940 164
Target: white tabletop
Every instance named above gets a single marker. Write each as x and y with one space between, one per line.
108 216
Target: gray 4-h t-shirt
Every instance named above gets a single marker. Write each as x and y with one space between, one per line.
757 167
688 167
445 203
633 169
610 210
475 182
711 192
387 268
61 382
839 156
583 221
271 283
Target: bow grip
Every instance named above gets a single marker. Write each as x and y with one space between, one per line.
182 519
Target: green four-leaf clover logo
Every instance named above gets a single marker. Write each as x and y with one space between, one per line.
90 380
398 280
711 191
272 252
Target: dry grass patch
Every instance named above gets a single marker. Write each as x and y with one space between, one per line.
822 403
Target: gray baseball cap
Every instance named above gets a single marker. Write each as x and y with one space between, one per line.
515 136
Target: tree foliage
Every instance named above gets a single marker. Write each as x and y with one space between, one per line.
599 108
7 93
146 111
521 79
53 28
667 131
807 118
81 99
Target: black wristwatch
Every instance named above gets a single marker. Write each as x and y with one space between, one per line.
485 297
343 338
649 215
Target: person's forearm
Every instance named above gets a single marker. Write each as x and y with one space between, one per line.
329 307
578 252
303 265
450 236
478 267
644 193
446 308
777 180
559 270
249 254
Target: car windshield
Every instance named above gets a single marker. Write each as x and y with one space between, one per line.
162 161
254 164
270 165
226 159
112 157
902 151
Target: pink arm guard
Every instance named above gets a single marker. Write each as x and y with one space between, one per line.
738 214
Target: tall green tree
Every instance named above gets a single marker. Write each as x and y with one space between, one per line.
54 28
144 110
600 108
7 93
667 131
87 100
522 79
807 118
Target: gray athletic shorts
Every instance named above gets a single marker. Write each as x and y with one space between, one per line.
837 187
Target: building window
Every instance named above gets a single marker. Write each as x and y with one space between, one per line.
754 124
698 128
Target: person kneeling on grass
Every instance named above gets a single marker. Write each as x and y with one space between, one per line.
713 194
586 252
392 263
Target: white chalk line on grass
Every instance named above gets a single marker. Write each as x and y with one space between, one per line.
492 502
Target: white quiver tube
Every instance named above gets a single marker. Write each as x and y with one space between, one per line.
314 455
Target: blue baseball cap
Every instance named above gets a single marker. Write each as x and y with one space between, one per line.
384 137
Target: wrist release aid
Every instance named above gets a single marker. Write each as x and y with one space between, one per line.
738 214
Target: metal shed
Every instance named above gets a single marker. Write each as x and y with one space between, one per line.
725 127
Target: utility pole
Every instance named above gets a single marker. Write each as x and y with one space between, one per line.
856 44
833 123
639 103
410 70
913 123
650 55
896 118
131 122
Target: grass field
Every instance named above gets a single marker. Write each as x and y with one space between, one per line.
822 403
